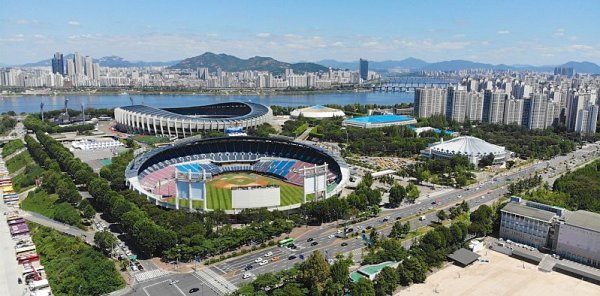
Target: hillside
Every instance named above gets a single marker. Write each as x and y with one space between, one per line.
231 63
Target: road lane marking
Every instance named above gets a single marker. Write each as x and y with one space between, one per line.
148 286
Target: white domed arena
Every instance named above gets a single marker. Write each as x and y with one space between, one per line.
317 112
471 147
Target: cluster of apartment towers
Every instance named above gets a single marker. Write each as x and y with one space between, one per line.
533 102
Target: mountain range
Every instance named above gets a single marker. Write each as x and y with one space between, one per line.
453 65
231 63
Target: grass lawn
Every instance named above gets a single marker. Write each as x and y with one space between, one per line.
16 163
26 180
151 140
40 202
11 147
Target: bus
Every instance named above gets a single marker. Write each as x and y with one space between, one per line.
286 242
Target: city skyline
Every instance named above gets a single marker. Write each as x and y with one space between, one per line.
505 33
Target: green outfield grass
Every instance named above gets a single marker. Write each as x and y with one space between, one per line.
220 197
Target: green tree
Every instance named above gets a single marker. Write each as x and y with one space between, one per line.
482 220
412 192
442 215
105 241
367 179
314 271
386 281
417 268
339 271
399 230
363 287
486 160
265 281
397 194
404 275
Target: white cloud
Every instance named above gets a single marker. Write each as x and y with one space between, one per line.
39 36
263 35
559 32
458 36
503 32
73 23
19 36
22 22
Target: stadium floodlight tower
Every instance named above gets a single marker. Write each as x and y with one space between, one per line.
315 181
191 185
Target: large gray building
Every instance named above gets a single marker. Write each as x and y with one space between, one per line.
572 235
579 238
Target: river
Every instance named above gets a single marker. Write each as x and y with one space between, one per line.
31 103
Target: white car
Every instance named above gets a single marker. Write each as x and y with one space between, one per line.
331 236
263 262
258 259
246 275
269 254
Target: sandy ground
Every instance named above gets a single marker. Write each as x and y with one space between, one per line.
502 276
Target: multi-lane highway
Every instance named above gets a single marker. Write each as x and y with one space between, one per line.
329 241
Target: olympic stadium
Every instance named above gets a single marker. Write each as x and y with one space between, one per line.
234 173
183 122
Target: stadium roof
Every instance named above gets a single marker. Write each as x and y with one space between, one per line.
523 210
468 145
188 113
463 256
584 219
381 118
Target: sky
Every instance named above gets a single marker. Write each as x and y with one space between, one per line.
510 32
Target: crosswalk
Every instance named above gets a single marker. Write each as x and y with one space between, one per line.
148 275
217 283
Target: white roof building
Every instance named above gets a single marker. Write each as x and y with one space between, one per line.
317 112
472 148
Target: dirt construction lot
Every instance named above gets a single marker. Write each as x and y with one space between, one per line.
502 276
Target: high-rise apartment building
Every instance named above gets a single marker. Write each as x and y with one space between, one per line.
457 104
565 71
78 64
493 106
70 68
364 69
58 65
537 111
430 101
474 108
513 111
89 70
587 119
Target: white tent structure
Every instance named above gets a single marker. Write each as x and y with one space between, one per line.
317 112
472 148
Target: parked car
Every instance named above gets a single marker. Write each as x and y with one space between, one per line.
314 243
344 244
310 240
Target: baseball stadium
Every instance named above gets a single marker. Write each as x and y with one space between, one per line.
183 122
235 173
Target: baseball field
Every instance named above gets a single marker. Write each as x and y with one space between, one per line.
218 190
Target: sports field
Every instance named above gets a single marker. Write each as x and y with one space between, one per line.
218 190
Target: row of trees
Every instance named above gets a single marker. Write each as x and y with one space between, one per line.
363 200
70 206
525 184
35 123
315 276
7 123
540 144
